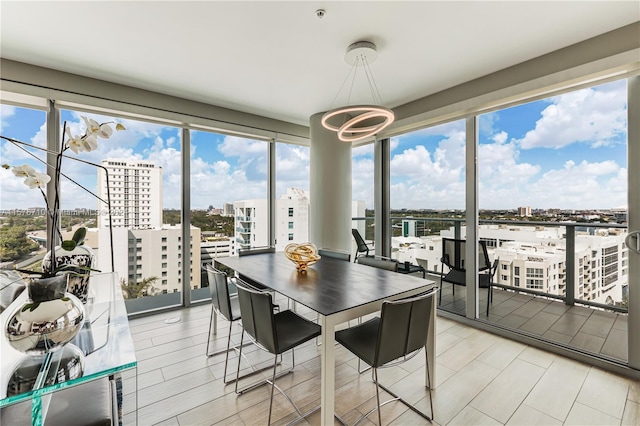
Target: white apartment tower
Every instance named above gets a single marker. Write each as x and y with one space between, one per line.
292 220
136 194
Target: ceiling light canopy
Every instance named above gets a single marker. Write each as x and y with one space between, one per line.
356 122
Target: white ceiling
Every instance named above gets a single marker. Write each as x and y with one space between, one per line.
279 60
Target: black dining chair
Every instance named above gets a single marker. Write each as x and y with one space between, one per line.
223 304
361 244
275 333
379 262
453 257
396 336
335 254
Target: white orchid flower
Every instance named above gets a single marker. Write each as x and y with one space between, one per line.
105 131
24 171
39 180
90 143
75 144
92 126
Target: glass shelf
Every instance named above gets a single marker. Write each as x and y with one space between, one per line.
101 349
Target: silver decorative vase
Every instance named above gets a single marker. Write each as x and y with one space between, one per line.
50 318
80 260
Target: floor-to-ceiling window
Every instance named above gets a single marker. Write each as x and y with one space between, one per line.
427 194
553 196
362 192
23 230
145 174
229 206
292 195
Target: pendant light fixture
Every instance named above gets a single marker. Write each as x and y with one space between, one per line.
356 122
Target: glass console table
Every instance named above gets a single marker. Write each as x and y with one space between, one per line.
79 382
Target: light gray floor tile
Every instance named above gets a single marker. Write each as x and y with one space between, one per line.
569 324
501 353
616 345
513 321
557 337
621 322
471 416
598 325
502 397
537 357
604 391
631 415
528 416
587 342
531 308
583 415
454 394
558 388
634 391
540 323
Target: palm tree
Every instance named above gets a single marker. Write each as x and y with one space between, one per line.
134 290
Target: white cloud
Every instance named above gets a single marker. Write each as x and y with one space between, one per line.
6 112
597 117
583 185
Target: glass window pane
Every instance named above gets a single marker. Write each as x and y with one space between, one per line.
144 182
228 197
23 230
292 194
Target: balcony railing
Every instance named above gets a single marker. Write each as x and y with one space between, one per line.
567 276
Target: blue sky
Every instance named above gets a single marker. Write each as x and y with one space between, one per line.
567 151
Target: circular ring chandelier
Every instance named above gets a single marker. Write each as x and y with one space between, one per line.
376 118
356 122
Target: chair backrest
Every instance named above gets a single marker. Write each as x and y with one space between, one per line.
403 327
256 310
388 264
256 250
335 254
453 254
362 245
219 291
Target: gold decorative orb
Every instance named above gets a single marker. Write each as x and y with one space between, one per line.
302 255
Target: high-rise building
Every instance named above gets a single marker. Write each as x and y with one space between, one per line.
136 194
227 209
146 253
524 211
292 220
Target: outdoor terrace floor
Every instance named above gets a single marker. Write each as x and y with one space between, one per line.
481 379
592 330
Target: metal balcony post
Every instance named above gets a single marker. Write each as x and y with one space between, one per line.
570 295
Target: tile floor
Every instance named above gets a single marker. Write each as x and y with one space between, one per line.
599 332
482 379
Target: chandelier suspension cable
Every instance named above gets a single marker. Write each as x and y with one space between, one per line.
375 92
352 70
357 122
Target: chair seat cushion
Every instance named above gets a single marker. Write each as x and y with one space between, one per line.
293 330
361 339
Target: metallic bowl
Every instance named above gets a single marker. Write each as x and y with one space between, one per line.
37 328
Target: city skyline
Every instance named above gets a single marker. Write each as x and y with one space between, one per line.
567 152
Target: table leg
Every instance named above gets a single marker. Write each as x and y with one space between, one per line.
327 361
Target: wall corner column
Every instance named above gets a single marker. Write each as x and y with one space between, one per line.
330 209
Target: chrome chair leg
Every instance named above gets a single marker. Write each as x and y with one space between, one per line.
375 374
395 397
226 358
273 386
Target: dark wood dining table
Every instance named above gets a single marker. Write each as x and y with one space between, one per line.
338 291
